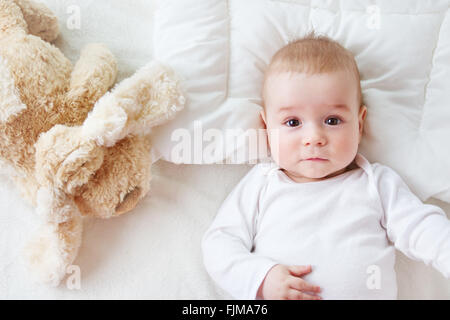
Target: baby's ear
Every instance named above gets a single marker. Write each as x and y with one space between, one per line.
361 118
262 115
363 112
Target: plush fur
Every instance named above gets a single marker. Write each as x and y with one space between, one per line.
74 148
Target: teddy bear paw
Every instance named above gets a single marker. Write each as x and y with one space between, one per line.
64 159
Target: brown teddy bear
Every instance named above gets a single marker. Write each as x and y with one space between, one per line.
73 148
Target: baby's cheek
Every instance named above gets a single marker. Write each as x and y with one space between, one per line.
289 150
347 146
274 143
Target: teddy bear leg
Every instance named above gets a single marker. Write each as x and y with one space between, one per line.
11 18
40 20
56 245
121 182
53 250
151 97
93 75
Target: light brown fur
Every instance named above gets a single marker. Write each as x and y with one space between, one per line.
61 163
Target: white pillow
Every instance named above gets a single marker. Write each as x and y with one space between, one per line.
221 48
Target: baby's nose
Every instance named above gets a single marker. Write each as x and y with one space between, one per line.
314 138
315 143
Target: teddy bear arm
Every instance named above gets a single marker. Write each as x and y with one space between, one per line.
157 94
93 75
11 18
40 20
151 97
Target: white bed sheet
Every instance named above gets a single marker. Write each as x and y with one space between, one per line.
153 252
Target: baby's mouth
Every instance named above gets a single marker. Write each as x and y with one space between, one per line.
316 159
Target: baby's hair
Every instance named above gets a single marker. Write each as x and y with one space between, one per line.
313 54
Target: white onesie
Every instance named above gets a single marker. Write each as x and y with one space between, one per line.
344 227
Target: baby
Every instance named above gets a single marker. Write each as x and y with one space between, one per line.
319 221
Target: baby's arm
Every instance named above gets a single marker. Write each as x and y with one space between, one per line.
228 242
420 231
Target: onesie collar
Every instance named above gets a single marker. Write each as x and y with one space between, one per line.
363 163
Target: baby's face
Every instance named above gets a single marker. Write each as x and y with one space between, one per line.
314 123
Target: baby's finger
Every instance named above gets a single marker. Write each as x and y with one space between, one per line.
302 285
297 295
299 270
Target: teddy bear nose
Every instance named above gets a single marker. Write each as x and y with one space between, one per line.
129 201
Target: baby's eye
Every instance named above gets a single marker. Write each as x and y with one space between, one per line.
292 123
333 121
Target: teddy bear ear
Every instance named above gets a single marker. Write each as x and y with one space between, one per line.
40 20
10 103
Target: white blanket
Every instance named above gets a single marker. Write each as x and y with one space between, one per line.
153 252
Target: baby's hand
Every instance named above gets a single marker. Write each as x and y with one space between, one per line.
285 283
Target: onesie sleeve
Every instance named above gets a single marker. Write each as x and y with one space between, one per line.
421 231
227 244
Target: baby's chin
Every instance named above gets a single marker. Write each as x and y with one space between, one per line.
312 172
305 175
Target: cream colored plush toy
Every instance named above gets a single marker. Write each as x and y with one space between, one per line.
72 147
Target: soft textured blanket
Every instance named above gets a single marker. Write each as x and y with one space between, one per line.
154 252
